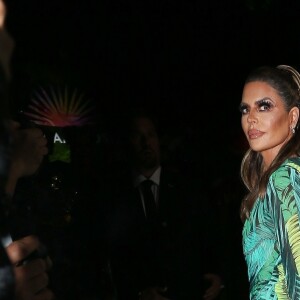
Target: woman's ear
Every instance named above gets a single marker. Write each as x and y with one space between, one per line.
294 117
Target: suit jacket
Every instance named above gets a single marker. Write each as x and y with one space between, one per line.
175 252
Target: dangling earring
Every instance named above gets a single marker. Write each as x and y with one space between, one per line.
293 130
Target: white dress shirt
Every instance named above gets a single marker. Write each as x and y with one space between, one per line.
139 178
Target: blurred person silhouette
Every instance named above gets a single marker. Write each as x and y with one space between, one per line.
160 230
25 277
22 155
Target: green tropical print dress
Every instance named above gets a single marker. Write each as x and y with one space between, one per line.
271 237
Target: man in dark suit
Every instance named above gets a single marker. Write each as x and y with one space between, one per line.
160 243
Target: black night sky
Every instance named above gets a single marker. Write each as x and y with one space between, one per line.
185 59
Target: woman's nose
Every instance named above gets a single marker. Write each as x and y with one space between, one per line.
252 117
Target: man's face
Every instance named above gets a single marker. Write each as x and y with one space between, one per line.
145 144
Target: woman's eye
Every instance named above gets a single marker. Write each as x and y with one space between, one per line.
243 109
264 106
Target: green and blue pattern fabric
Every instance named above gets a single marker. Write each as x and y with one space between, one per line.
271 237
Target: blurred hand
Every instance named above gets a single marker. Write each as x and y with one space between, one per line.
31 277
2 13
215 287
7 43
153 293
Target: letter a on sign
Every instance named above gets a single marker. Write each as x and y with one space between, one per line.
57 139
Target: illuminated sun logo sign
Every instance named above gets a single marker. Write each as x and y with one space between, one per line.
60 108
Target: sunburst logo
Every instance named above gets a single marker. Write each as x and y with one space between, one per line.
60 107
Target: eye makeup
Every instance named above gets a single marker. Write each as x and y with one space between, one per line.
243 108
265 104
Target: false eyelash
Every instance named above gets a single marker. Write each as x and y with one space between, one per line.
265 102
242 107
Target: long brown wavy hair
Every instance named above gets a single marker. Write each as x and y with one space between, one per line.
286 81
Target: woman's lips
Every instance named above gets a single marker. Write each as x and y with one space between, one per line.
254 134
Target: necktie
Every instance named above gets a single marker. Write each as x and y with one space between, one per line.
150 206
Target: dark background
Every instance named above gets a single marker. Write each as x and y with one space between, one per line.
187 57
186 60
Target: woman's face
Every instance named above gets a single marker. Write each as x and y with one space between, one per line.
265 121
